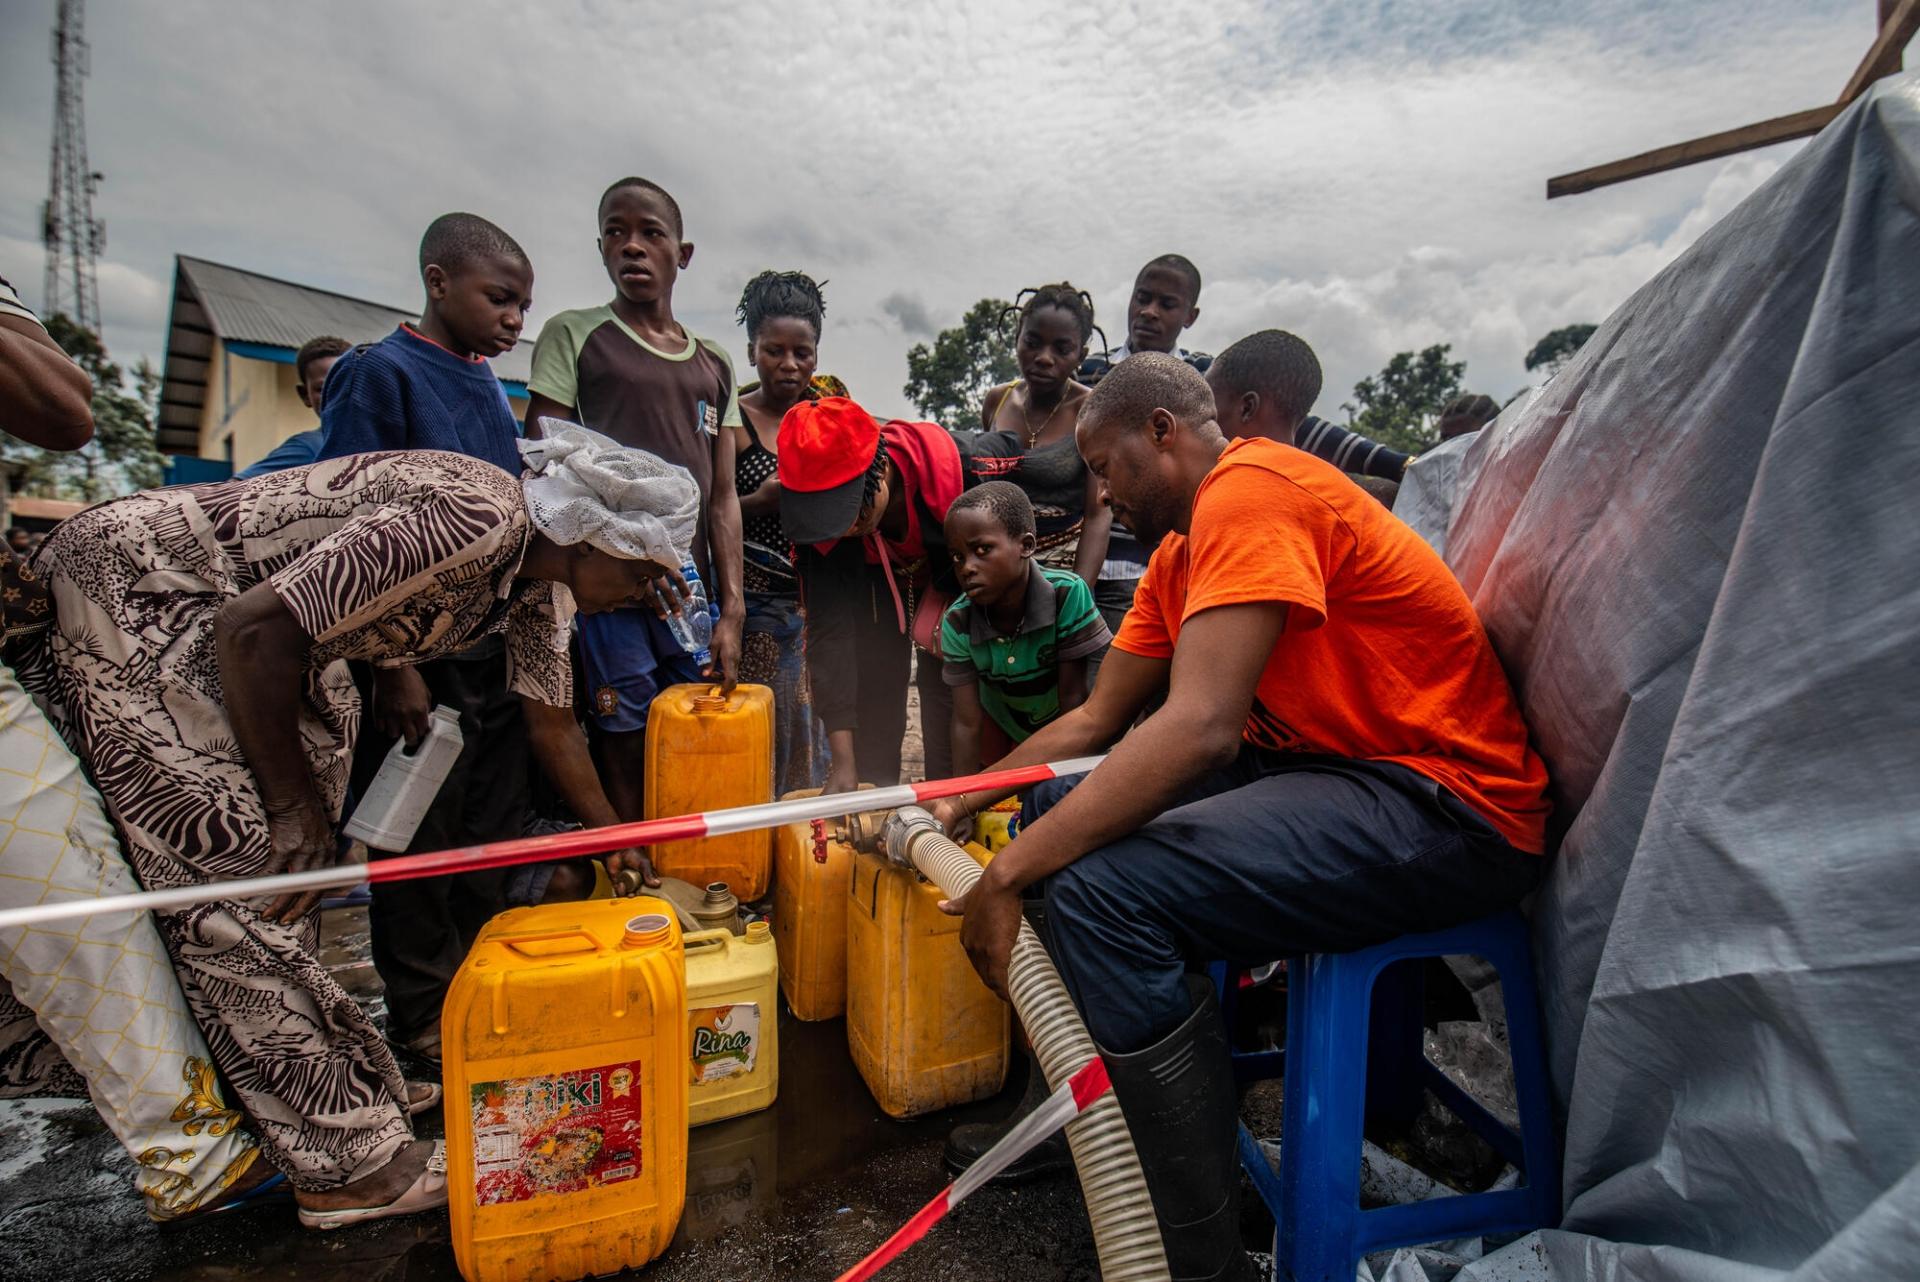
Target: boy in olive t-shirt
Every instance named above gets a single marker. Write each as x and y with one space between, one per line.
630 370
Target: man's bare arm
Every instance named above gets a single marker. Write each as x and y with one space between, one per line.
1215 672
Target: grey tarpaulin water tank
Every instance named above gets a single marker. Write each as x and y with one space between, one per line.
1698 552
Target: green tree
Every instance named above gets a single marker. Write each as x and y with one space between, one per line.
1398 406
1557 348
123 455
948 379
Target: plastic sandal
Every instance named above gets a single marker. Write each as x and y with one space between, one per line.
273 1190
424 1047
415 1107
427 1192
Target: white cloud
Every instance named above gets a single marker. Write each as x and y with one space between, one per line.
1490 310
132 301
1371 176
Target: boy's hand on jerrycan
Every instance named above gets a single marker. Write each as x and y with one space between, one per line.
728 641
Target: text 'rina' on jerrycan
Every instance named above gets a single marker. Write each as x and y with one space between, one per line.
733 1026
566 1054
709 751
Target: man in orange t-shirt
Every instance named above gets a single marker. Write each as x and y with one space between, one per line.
1339 761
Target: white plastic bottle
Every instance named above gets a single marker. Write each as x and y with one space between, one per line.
397 799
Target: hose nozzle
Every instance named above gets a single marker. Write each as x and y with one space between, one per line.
861 830
899 830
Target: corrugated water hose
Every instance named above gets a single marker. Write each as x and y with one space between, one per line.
1124 1229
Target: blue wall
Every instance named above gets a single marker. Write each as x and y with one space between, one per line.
184 470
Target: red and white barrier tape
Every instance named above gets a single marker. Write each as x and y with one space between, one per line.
1074 1097
560 845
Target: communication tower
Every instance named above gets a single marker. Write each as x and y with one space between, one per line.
73 236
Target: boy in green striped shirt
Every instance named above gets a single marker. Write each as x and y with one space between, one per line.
1016 643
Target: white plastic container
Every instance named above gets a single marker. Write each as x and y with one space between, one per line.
398 798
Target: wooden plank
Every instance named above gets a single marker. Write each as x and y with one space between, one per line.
1800 124
1899 19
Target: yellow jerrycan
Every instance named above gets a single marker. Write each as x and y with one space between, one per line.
709 751
565 1053
992 827
925 1033
733 1024
812 870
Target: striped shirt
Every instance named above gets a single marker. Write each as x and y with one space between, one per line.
1349 451
1019 672
10 304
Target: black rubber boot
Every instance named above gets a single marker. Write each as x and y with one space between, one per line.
968 1144
1183 1112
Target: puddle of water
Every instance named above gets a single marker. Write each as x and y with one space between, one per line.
30 1133
761 1172
807 1188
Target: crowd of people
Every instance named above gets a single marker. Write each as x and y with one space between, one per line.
1140 548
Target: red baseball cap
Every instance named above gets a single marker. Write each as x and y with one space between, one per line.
827 446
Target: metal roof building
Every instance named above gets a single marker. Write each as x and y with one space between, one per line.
220 397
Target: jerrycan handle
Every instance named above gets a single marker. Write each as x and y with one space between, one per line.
706 939
444 720
531 943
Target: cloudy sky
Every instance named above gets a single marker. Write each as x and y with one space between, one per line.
1367 173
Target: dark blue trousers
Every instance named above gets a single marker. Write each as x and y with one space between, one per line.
1271 856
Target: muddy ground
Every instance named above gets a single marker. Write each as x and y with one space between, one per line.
801 1191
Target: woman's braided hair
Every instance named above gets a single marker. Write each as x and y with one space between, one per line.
773 294
1077 302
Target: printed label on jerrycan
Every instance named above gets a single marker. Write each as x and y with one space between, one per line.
725 1040
560 1134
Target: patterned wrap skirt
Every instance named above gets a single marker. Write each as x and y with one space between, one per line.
132 681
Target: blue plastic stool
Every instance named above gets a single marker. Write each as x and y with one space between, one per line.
1354 1044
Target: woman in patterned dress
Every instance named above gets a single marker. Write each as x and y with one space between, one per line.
196 665
90 1008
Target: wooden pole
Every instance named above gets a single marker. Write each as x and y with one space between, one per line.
1899 19
1801 124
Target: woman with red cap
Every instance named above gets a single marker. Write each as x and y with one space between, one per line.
863 502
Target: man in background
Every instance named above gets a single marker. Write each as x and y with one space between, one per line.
311 366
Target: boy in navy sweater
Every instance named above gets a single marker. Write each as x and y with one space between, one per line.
428 386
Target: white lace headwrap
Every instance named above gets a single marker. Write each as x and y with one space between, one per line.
587 488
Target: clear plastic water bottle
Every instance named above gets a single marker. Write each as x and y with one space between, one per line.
693 626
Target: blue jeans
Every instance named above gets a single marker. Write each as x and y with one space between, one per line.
1271 856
